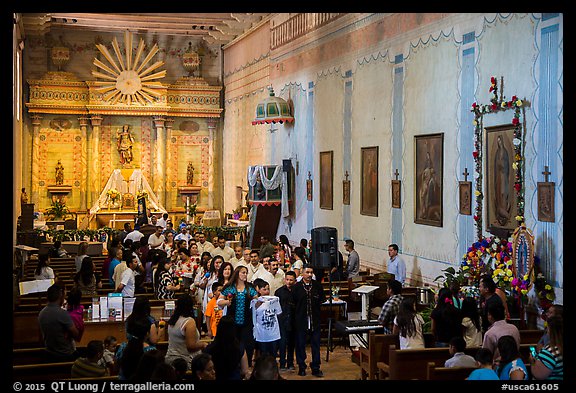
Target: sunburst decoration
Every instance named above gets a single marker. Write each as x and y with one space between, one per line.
126 78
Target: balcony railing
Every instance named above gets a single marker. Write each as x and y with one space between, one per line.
300 24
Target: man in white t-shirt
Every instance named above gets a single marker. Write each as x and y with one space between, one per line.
256 269
238 259
277 274
203 244
183 235
162 220
156 239
225 251
127 284
135 235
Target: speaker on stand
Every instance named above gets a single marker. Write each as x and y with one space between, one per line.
324 255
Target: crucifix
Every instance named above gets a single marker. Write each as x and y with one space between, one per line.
396 173
465 173
546 173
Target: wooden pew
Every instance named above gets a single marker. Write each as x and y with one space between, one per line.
530 336
21 356
447 373
413 363
377 351
44 371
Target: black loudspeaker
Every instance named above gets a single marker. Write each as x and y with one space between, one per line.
324 247
286 165
27 217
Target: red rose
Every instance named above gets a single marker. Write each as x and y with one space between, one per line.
475 154
475 218
509 104
494 107
230 296
493 80
491 88
517 186
514 98
515 121
474 105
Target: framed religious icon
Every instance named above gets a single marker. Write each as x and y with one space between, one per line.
396 193
369 183
501 200
309 187
429 174
465 198
326 180
346 190
546 201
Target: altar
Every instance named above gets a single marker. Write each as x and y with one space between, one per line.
116 204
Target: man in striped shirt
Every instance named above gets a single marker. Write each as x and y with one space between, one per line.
89 366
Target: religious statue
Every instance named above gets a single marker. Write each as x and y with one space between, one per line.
124 144
23 197
59 174
190 174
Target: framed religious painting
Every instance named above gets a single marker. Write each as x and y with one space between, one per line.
309 187
396 193
465 197
369 183
429 174
326 180
501 201
546 201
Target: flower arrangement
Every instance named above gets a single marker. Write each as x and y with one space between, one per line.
142 194
113 194
335 291
497 105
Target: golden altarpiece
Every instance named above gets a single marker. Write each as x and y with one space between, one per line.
123 135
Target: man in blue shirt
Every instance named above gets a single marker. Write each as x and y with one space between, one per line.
396 264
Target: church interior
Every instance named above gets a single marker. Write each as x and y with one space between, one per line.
441 133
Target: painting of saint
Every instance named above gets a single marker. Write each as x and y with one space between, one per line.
326 180
429 174
369 189
500 177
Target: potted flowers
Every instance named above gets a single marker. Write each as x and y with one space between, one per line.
113 196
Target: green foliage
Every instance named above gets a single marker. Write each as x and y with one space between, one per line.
77 234
58 210
427 328
450 275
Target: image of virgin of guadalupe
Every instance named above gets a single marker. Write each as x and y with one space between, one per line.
502 183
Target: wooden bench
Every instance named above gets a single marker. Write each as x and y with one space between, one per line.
44 371
377 351
530 336
447 373
413 363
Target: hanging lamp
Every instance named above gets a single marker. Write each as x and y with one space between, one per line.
272 110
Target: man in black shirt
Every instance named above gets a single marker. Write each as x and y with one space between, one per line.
286 321
308 298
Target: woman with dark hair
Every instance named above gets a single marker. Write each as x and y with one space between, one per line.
164 283
87 279
446 319
265 369
549 363
203 368
511 366
228 354
408 324
286 249
225 272
237 295
471 325
299 261
146 365
211 279
183 335
43 271
129 352
141 311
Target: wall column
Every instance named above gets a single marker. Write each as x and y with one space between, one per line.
36 121
169 124
212 124
94 159
84 163
159 177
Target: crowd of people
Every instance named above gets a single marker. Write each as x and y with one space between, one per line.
258 309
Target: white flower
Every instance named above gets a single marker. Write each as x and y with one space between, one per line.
516 141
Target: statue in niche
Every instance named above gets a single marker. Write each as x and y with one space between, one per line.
124 144
59 173
190 174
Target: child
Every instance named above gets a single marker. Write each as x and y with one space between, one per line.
90 366
456 348
484 362
76 309
213 311
265 310
110 345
